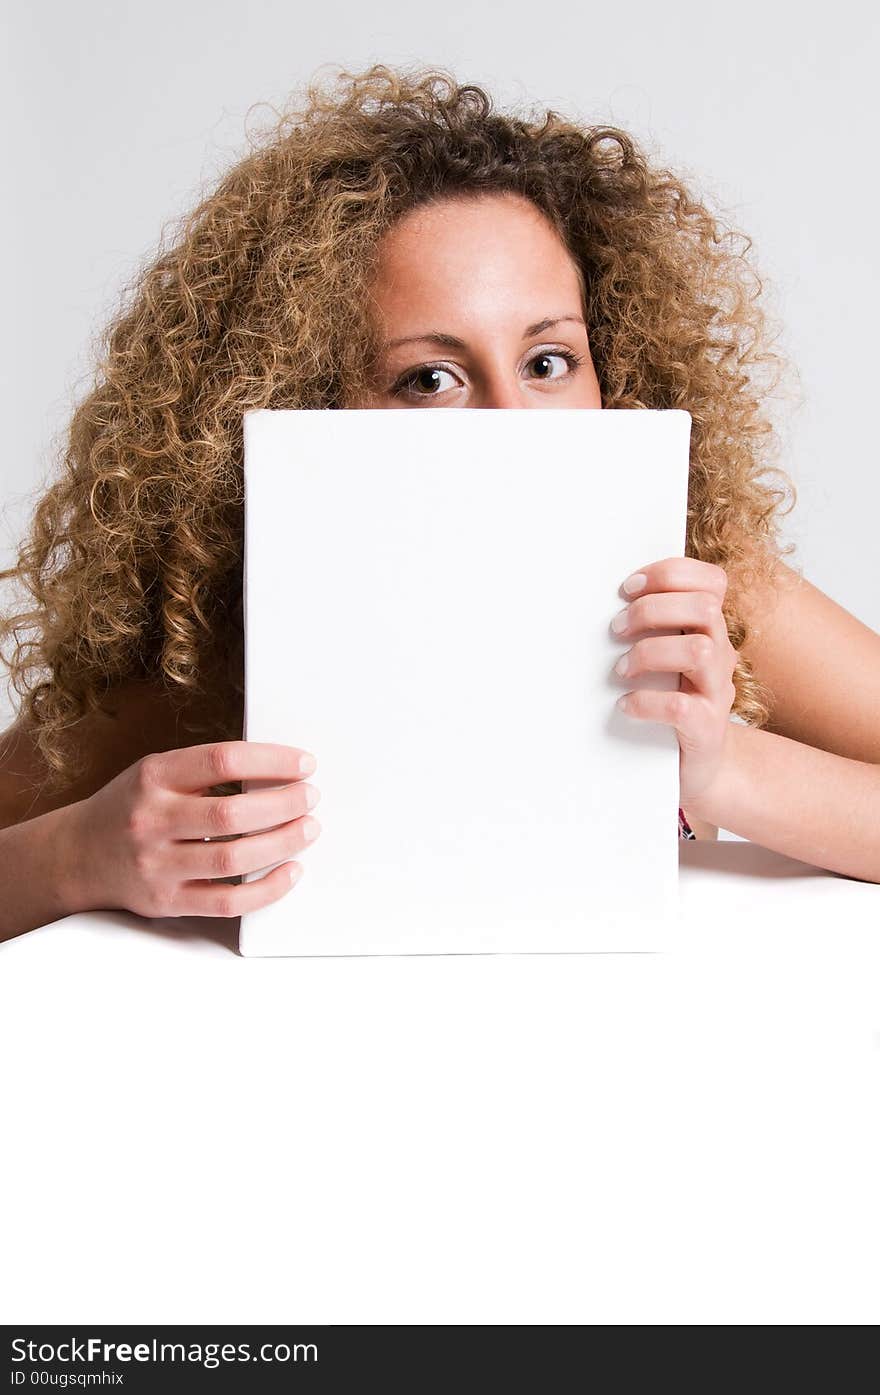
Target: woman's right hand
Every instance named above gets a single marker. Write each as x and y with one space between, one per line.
153 842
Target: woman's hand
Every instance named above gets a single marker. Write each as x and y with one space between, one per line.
681 593
151 841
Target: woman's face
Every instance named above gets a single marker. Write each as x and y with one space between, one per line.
489 302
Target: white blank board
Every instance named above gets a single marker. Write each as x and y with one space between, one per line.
428 597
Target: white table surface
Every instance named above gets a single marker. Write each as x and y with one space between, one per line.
689 1136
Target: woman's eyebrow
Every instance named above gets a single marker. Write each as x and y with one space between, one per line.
450 341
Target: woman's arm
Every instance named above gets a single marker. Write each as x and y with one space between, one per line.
39 865
808 784
38 872
796 799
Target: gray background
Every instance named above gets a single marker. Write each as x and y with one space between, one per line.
123 115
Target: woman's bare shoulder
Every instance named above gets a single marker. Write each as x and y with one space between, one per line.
821 663
137 717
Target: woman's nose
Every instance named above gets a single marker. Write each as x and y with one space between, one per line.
502 392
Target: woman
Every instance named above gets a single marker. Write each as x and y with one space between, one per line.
398 243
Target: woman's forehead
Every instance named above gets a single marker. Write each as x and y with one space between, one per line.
473 250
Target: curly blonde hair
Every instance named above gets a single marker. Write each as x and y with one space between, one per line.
132 563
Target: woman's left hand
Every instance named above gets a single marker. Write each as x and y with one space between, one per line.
681 593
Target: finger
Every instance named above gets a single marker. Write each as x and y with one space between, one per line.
695 655
220 899
686 712
237 856
673 610
677 574
217 762
226 816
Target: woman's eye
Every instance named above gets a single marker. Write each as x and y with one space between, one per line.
422 382
546 355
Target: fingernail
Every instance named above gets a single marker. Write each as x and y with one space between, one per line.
622 665
295 870
618 624
634 583
311 829
311 796
307 764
